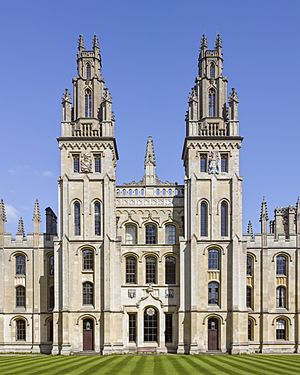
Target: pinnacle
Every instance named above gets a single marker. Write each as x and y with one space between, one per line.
203 41
21 230
264 210
150 155
95 41
2 211
36 211
80 42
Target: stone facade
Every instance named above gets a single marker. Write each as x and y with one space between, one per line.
150 265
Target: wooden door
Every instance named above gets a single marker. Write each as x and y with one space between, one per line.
88 335
213 334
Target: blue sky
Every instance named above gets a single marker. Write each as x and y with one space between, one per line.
149 54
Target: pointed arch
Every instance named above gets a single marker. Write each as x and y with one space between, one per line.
212 103
88 103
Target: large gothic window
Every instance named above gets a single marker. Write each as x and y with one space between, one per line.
20 265
151 270
204 219
281 297
150 234
20 330
20 296
281 265
97 208
224 219
77 219
212 71
170 270
213 293
150 324
170 234
131 270
212 103
87 293
213 259
130 234
88 71
88 103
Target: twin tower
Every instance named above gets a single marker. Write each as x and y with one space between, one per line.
150 265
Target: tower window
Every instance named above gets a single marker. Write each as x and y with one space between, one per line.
281 329
51 265
212 103
203 162
224 163
281 265
249 297
250 330
150 270
88 71
170 270
87 294
150 234
51 297
76 163
212 71
97 208
170 234
203 219
213 259
249 265
87 260
281 297
20 330
88 103
77 219
20 296
20 265
97 159
132 327
224 219
130 234
131 270
213 293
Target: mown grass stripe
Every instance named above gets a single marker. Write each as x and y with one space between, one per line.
270 362
277 362
266 368
69 362
200 365
178 365
224 368
28 368
139 365
124 363
283 359
34 361
236 363
107 360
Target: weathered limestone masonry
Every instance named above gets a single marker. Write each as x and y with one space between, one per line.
150 265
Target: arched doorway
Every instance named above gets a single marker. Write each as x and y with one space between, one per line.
88 335
213 334
150 325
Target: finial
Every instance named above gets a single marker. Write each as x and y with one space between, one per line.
233 95
21 230
218 41
80 43
264 211
250 229
150 155
192 95
2 211
66 96
95 42
203 41
36 212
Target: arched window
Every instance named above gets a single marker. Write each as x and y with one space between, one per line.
204 219
97 208
130 234
87 293
20 296
224 219
213 293
170 270
250 330
50 330
51 297
51 265
249 297
249 265
281 333
281 297
88 71
212 103
20 265
281 265
77 219
212 71
88 103
150 270
150 234
150 325
213 259
170 234
87 260
131 270
20 330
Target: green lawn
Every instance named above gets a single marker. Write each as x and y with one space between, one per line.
148 365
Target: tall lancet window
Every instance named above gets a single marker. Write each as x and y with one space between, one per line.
97 218
212 71
88 103
212 103
88 71
204 218
77 219
224 219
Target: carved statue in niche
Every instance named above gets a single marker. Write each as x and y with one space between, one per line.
86 163
213 162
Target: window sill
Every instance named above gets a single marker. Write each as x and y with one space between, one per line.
87 271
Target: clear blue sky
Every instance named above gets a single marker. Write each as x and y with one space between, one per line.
149 55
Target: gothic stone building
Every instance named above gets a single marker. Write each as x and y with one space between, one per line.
150 265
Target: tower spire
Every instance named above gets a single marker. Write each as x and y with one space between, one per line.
2 211
150 163
219 44
250 229
36 212
80 43
264 216
21 230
